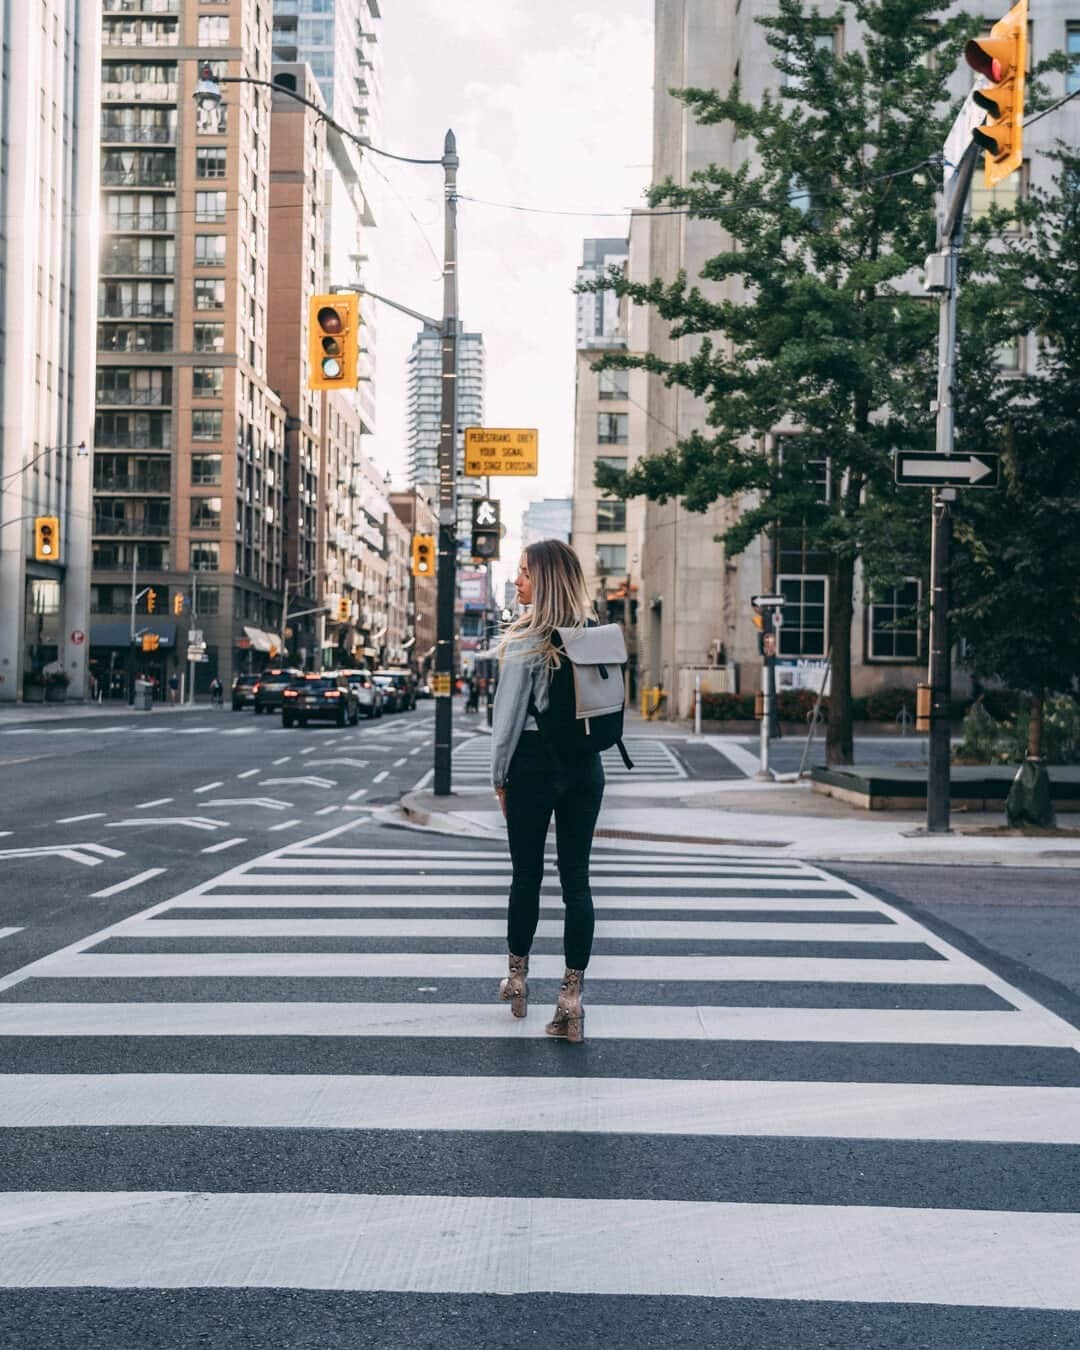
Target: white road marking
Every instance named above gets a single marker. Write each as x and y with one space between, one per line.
90 855
127 885
158 801
326 810
492 900
399 762
208 787
350 763
354 796
283 760
225 843
250 773
308 750
380 776
270 803
312 780
416 750
838 1253
190 822
71 820
9 932
285 825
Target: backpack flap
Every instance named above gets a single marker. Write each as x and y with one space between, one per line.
597 657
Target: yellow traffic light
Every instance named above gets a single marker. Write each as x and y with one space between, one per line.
178 603
343 609
150 642
333 341
151 600
423 555
1001 59
47 538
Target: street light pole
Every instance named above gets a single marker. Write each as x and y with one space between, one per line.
447 566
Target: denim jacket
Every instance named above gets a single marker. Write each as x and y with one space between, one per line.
522 675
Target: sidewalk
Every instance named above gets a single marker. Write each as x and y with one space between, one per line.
776 819
30 714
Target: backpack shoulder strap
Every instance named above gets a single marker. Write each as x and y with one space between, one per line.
625 757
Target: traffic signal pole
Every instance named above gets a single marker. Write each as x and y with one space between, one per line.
447 566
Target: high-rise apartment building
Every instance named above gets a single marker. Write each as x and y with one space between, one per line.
605 530
49 72
189 465
425 402
549 518
417 516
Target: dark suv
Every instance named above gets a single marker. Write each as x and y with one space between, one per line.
243 691
328 697
272 684
404 687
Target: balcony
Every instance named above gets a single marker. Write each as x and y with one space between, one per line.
111 528
139 33
113 134
118 222
125 265
106 439
137 338
132 482
141 6
135 398
135 309
143 91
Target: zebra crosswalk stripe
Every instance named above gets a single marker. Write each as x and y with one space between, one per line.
330 992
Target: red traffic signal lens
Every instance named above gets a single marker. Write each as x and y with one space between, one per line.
984 61
329 320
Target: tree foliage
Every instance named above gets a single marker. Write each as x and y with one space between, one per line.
820 330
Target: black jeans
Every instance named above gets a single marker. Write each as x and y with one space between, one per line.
536 786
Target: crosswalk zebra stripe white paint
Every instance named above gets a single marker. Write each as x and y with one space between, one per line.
512 1245
658 930
802 885
501 866
858 1026
840 1110
384 965
496 902
8 932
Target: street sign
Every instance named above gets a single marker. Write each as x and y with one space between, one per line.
197 654
195 637
501 452
441 685
926 468
778 617
767 601
78 636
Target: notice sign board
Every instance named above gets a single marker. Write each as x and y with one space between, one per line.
501 452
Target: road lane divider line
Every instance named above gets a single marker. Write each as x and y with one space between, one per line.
136 880
71 820
208 787
360 792
9 932
225 843
285 825
326 810
283 760
250 773
158 801
380 776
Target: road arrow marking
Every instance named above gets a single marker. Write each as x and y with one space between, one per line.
271 803
191 822
90 855
352 763
312 781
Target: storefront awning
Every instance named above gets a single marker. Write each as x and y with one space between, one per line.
117 632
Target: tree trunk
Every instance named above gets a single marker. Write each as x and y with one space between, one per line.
1035 725
838 742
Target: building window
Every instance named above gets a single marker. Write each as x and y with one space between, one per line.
208 382
830 42
210 162
205 557
209 208
816 473
614 383
213 30
1009 356
207 598
610 516
805 615
205 425
610 558
617 462
1005 194
208 337
206 470
206 513
209 293
893 623
209 250
612 428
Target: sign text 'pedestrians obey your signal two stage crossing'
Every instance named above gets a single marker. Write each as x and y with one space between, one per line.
501 452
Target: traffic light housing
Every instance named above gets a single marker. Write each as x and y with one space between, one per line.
1001 58
178 603
486 530
150 642
47 538
423 555
333 341
151 600
343 609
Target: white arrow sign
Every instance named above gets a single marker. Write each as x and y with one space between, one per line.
352 763
313 781
271 803
192 822
926 468
90 855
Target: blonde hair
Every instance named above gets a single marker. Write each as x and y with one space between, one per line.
560 600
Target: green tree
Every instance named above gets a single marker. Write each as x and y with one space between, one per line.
829 219
1017 567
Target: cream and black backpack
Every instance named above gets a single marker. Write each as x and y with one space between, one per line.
586 694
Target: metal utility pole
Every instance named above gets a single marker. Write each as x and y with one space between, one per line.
942 277
193 621
131 635
447 567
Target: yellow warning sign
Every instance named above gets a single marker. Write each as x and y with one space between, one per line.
501 452
441 686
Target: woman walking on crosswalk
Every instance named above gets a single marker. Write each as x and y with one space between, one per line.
531 782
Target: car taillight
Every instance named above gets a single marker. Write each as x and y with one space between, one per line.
255 688
333 693
290 693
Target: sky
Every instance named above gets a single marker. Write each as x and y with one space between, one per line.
551 107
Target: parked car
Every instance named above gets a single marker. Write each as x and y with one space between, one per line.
423 690
328 697
368 693
390 692
272 684
243 691
405 685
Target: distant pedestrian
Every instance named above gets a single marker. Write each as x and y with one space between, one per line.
217 693
174 687
531 781
472 704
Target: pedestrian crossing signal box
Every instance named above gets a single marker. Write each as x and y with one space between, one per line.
333 341
150 642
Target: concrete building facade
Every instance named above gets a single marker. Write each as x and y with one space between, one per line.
418 516
189 464
551 518
696 611
49 110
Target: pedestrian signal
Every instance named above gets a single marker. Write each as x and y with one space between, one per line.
150 642
333 341
46 539
486 529
151 600
423 555
178 603
1001 58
